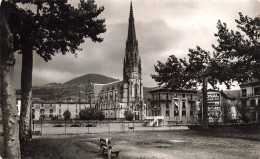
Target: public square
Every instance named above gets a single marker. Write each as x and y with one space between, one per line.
160 143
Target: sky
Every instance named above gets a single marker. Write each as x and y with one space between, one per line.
163 28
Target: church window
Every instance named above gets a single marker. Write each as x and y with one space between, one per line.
183 113
136 90
167 113
176 113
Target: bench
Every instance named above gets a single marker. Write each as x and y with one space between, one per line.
132 128
106 148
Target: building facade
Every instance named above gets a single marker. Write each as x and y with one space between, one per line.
49 109
250 101
172 106
114 98
221 106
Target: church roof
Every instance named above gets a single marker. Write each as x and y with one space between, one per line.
99 87
131 26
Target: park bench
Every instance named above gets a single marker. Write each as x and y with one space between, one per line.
106 148
131 127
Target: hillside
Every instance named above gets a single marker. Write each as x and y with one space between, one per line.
96 78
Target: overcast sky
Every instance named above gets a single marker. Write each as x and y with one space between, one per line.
163 27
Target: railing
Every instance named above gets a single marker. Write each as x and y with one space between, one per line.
248 95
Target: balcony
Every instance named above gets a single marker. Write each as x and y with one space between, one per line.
249 95
194 99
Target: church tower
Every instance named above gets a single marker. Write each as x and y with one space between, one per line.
132 71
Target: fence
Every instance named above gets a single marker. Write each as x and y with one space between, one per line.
93 127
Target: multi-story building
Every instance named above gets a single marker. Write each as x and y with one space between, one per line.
220 106
167 106
114 98
250 100
51 108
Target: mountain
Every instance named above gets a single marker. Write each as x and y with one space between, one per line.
234 93
95 78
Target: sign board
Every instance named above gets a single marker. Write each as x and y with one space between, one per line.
213 97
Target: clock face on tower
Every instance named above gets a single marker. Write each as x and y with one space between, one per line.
135 75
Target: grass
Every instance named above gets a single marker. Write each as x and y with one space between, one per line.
213 143
59 146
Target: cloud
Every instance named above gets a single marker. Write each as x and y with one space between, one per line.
162 27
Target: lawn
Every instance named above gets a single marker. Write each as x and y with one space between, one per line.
225 143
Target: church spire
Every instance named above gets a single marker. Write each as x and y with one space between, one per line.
131 27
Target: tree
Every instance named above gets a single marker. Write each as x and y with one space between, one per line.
236 58
99 115
129 115
187 73
55 26
240 48
67 114
7 90
43 116
226 114
87 114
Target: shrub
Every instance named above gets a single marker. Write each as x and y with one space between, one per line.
99 115
67 115
129 115
91 114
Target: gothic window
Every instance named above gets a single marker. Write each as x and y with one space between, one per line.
183 105
183 113
167 113
136 90
176 113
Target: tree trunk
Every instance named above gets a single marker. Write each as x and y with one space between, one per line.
8 99
205 120
26 92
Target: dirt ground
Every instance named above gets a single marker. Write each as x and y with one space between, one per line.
173 144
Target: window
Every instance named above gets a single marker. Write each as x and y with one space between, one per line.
191 113
244 104
167 113
252 103
50 105
42 111
33 113
183 95
183 113
243 92
183 105
51 110
76 110
176 113
59 110
257 90
167 105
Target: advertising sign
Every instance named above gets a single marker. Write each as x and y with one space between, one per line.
213 97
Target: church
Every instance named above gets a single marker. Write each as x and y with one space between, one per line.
114 98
